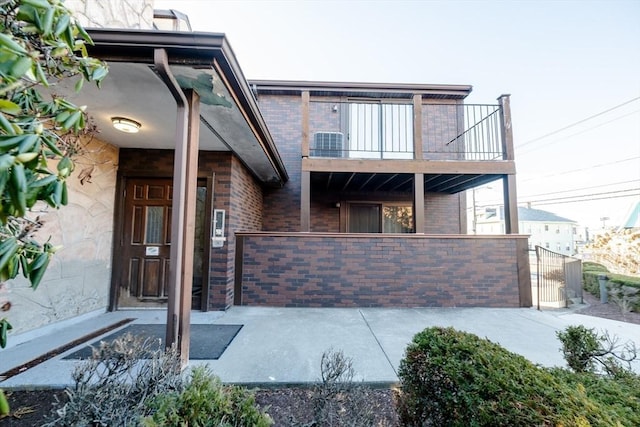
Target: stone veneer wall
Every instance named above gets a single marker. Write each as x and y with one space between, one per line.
79 275
137 14
316 270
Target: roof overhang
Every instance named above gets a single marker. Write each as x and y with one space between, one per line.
229 116
369 90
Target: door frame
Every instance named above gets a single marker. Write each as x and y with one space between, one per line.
119 224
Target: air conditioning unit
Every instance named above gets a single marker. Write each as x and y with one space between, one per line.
327 144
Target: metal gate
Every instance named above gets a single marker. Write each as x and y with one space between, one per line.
559 278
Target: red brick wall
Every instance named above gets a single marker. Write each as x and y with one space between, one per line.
283 115
442 213
379 271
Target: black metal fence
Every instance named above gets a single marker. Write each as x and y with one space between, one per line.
386 131
559 278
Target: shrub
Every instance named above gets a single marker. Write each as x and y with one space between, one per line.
590 273
585 351
455 378
337 400
114 386
204 401
619 394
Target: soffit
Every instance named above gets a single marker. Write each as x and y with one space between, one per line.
229 117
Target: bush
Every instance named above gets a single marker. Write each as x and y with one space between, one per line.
593 266
620 395
114 386
206 402
587 351
455 378
338 400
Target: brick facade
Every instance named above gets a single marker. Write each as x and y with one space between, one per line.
350 270
234 190
283 115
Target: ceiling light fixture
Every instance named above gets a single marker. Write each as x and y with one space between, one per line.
125 125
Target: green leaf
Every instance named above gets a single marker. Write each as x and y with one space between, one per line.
9 107
35 276
9 43
6 125
47 25
8 249
20 67
4 327
62 25
79 84
41 4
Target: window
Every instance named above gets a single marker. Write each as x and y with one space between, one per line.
557 230
546 227
380 131
380 218
546 245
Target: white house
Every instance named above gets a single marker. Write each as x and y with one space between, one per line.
545 228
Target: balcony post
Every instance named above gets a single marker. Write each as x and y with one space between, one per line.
418 202
305 124
508 181
417 127
505 127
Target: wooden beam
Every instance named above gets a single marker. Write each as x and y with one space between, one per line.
188 226
510 204
305 202
500 167
305 124
417 127
418 202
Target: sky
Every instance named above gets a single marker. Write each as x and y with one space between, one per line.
572 69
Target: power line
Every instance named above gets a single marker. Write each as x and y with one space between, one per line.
537 147
587 200
582 188
584 169
562 201
577 123
585 195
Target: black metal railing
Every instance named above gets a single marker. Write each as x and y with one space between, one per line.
558 278
370 130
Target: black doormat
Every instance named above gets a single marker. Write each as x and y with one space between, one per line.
207 342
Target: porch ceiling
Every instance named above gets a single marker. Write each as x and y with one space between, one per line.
229 117
337 182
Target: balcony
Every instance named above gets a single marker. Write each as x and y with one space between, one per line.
361 130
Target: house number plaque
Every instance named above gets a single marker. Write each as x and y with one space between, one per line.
152 251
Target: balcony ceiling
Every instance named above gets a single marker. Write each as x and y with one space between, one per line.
338 182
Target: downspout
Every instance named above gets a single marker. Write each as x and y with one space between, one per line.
161 63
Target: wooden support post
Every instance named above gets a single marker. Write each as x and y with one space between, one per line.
417 127
418 202
305 202
161 63
510 204
188 226
305 124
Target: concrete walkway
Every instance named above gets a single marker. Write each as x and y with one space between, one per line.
284 345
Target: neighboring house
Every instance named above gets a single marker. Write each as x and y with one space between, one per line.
273 192
544 228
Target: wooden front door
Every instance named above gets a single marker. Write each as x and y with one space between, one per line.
145 245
